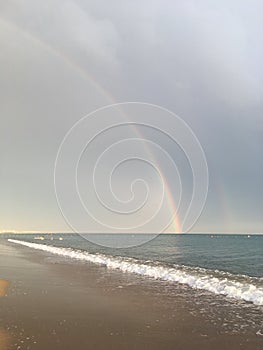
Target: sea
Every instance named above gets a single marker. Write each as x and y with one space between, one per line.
222 264
221 275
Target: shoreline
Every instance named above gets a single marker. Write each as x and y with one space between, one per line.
217 284
59 305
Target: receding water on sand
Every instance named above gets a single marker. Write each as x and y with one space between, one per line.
160 290
238 287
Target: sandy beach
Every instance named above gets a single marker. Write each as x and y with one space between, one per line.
46 304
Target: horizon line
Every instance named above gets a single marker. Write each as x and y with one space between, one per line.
150 233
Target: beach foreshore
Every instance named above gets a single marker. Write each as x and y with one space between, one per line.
53 304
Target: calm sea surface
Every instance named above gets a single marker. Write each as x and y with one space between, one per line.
238 254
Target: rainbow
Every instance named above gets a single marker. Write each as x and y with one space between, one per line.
175 226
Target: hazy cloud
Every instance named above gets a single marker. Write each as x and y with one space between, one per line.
61 60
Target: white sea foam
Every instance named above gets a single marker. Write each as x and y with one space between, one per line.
218 285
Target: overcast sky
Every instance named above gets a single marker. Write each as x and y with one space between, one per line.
60 60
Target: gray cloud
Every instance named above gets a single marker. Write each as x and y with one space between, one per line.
61 60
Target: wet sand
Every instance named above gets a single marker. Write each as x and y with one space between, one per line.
52 304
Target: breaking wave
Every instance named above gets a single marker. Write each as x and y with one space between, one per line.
224 284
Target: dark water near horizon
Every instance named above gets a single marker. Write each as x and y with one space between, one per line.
237 254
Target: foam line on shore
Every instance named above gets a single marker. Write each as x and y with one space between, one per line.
224 286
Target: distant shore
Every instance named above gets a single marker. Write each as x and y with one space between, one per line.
56 305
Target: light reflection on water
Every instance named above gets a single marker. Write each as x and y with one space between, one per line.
3 333
3 287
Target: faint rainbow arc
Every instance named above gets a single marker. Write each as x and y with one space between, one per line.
61 55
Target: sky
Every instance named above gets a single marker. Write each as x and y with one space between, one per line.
60 61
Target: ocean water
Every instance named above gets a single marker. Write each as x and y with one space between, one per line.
230 266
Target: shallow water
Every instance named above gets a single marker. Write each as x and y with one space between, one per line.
229 265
